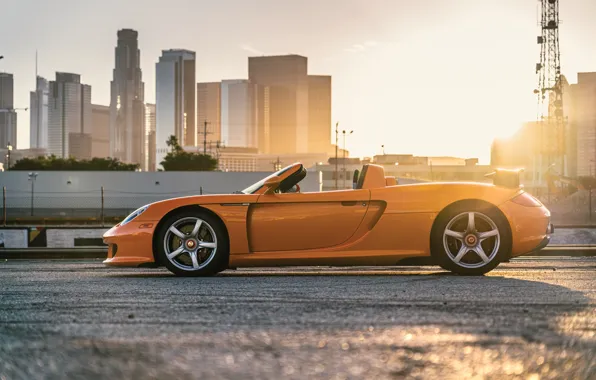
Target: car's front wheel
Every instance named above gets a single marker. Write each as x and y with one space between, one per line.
470 238
192 243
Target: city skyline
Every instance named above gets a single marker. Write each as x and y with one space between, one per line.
452 81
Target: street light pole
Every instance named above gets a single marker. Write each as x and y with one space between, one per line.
344 156
432 177
32 178
9 147
590 183
336 147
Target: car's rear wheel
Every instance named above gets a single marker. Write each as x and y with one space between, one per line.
470 238
191 243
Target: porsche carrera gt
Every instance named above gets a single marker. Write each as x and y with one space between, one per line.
466 228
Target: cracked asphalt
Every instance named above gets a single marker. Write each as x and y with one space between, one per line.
533 318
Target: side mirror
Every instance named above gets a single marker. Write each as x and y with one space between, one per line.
271 184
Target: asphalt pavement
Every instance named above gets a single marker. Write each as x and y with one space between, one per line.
533 318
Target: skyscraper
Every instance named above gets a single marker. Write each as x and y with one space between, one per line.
150 130
175 99
127 104
100 135
238 114
69 117
38 108
8 116
209 110
283 90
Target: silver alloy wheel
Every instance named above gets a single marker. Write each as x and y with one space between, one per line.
190 243
471 239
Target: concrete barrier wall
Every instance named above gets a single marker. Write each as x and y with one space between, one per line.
41 237
123 190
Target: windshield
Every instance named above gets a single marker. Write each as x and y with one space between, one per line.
256 186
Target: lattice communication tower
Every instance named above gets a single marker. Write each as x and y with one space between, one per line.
550 87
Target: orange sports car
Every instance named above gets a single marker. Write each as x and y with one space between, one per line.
467 228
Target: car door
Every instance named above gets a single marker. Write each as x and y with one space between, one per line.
301 221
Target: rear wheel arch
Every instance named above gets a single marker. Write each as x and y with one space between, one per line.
175 211
471 202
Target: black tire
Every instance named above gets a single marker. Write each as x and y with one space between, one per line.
182 265
453 216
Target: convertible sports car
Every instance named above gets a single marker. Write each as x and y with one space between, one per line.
467 228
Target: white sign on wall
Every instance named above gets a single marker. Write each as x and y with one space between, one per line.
13 239
65 238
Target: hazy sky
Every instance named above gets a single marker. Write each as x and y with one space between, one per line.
428 77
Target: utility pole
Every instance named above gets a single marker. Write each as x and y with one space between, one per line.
590 184
336 147
218 146
32 178
205 133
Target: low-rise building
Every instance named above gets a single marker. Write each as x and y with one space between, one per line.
406 168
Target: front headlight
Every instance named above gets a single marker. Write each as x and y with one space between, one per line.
134 214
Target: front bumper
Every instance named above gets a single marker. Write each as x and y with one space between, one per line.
130 245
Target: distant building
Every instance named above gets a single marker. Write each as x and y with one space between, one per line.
570 134
523 150
80 145
238 114
584 120
69 115
241 159
209 111
100 131
175 100
283 120
520 149
19 154
319 113
127 103
150 131
407 168
8 116
38 109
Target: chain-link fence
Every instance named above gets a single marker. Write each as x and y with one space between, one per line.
108 206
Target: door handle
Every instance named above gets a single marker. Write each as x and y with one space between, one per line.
349 203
